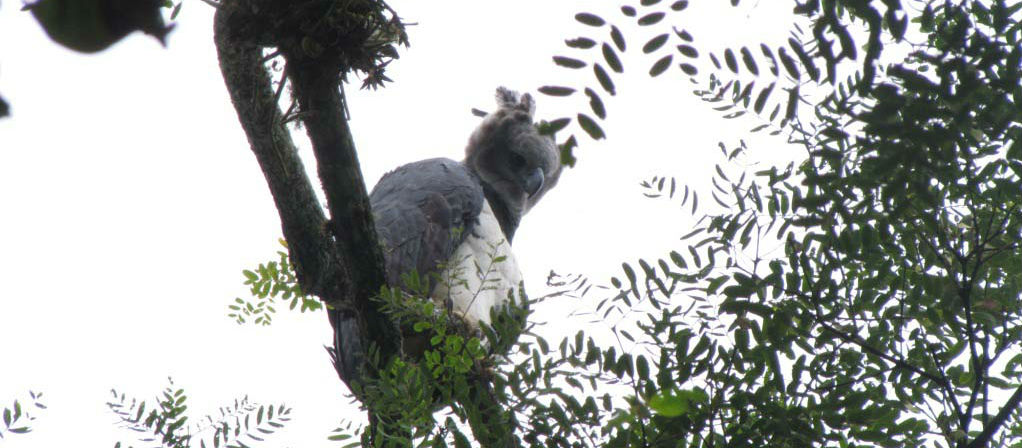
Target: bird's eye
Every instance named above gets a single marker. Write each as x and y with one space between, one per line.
516 160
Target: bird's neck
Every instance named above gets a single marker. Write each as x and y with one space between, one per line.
507 219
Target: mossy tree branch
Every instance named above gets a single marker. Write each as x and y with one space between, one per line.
337 260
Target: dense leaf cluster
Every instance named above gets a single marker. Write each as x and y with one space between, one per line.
268 283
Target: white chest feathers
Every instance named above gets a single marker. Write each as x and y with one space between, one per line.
481 272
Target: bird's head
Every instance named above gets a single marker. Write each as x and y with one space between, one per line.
511 156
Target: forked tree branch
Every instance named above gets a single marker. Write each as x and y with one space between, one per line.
336 260
302 219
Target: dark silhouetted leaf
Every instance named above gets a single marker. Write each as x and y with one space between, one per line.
715 61
596 103
556 126
589 125
689 51
788 63
556 90
729 59
651 18
655 43
683 35
679 5
773 60
90 26
617 38
750 63
807 62
568 62
744 95
689 69
580 42
590 19
604 79
628 11
762 98
612 60
661 65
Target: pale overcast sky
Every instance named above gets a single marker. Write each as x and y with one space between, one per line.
130 202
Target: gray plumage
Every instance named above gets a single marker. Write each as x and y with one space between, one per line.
417 207
439 212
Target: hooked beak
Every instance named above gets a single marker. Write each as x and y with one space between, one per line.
534 182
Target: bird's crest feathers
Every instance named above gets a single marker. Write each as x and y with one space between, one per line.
509 99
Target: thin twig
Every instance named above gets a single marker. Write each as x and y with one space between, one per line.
270 56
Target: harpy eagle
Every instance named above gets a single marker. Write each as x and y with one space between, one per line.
448 220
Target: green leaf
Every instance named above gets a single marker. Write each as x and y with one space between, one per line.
419 327
669 405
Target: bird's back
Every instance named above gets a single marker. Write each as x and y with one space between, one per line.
423 211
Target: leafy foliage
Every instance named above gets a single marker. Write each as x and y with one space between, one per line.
448 362
16 419
607 56
891 318
271 282
166 423
867 296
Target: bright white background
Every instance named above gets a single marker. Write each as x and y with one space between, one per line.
130 202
